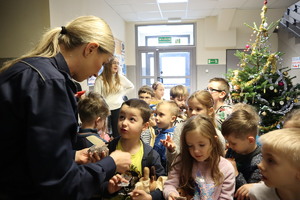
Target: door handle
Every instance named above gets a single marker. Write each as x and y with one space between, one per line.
160 79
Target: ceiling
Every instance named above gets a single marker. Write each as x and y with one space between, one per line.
151 10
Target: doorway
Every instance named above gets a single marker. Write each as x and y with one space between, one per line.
170 66
166 53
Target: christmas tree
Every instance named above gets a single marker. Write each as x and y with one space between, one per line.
261 81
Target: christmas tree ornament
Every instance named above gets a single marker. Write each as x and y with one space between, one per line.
271 87
281 103
280 83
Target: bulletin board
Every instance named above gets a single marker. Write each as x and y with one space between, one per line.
120 53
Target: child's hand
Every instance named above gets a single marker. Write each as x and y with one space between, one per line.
243 192
169 144
140 195
113 183
173 195
152 121
232 161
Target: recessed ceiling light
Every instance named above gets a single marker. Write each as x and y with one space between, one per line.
172 1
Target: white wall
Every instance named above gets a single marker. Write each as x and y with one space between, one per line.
290 48
64 11
22 24
211 42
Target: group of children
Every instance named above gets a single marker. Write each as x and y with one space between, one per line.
196 146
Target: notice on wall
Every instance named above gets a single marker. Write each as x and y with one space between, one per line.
295 63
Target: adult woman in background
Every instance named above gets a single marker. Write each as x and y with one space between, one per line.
113 86
38 116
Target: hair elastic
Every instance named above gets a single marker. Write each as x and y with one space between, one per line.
63 30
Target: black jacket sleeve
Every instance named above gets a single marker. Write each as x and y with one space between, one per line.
38 116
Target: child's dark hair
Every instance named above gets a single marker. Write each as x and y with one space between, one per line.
240 124
203 126
92 106
140 105
146 89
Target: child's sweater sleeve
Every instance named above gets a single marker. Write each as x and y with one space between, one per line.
171 183
228 185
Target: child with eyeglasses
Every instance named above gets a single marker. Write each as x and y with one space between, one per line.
219 89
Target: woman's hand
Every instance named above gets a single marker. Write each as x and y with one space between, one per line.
83 156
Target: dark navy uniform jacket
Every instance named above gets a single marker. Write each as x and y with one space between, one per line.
38 120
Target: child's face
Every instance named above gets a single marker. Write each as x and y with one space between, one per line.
277 171
146 97
180 101
214 89
240 146
160 91
164 119
130 123
196 108
198 145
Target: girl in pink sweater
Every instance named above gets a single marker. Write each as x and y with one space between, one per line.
200 171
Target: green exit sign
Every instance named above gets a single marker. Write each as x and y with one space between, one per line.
213 61
163 40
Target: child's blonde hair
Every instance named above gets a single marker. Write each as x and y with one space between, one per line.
179 91
205 99
292 119
174 109
156 84
285 142
91 107
240 124
204 127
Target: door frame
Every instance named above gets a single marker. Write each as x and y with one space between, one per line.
165 49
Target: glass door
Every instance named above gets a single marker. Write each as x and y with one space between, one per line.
169 66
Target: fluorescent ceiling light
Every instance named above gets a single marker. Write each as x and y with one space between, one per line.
174 20
172 1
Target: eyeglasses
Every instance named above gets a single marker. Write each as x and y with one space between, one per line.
213 90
